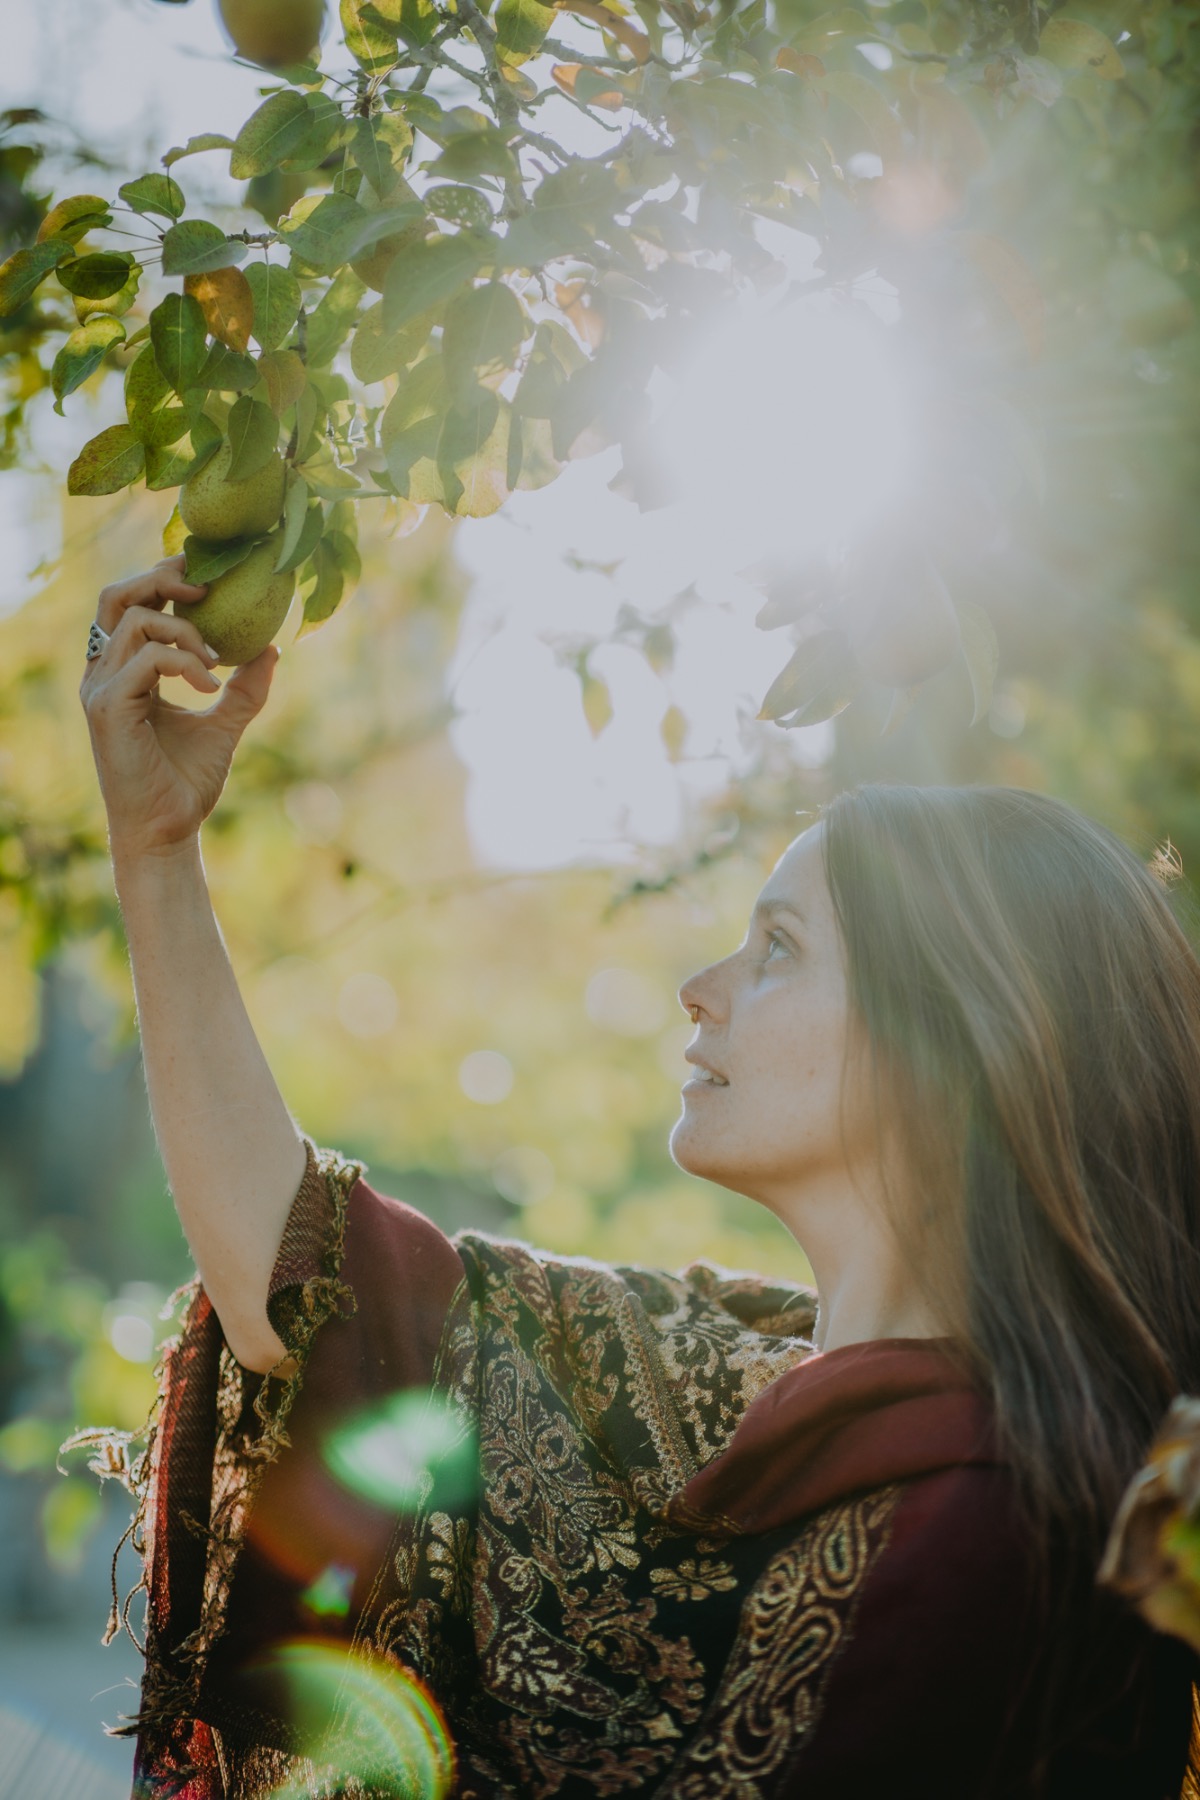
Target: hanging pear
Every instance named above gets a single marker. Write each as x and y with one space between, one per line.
273 33
215 508
244 608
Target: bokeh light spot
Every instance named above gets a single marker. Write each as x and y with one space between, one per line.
329 1594
132 1337
523 1174
411 1447
624 1002
367 1006
315 809
368 1725
486 1077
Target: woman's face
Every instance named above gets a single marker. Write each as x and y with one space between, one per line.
774 1025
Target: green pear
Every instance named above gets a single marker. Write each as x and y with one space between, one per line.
273 32
214 508
244 608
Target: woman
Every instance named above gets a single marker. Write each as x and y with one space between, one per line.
701 1534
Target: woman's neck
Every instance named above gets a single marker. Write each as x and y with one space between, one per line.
865 1286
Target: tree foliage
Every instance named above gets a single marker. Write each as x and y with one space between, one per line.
446 304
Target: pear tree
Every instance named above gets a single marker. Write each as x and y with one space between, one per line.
429 300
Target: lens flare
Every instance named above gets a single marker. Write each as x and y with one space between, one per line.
359 1720
409 1449
792 429
329 1595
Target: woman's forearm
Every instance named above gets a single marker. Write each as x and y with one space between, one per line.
233 1156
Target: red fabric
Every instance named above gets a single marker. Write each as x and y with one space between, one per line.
403 1271
841 1423
934 1696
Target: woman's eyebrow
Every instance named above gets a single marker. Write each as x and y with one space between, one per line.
771 908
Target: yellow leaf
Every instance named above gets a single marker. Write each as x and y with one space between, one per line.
568 75
673 729
597 702
227 303
1014 281
1072 44
811 68
625 33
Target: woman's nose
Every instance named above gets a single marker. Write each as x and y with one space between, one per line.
699 994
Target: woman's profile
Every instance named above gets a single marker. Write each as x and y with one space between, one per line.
425 1516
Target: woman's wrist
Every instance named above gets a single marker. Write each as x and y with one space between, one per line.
137 864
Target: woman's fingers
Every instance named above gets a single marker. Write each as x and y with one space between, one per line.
153 588
137 678
140 624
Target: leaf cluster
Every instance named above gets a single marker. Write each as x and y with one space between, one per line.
449 304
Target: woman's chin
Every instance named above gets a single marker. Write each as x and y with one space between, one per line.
687 1149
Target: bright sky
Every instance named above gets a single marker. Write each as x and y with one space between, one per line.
794 426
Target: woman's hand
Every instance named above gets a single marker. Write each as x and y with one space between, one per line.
161 766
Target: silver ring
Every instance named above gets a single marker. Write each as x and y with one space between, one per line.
97 638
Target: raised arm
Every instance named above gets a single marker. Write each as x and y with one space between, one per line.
232 1153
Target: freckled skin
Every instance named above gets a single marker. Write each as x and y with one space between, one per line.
795 1128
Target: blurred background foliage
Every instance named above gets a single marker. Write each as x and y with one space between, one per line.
503 1047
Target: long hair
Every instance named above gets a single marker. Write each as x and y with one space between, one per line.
1033 1011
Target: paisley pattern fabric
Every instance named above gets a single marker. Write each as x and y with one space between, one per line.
689 1557
597 1633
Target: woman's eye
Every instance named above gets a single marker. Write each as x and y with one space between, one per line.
775 942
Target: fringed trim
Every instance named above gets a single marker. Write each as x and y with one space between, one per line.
297 1309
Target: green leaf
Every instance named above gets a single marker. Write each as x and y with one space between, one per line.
205 561
819 681
325 129
375 352
276 302
148 402
269 135
309 525
381 144
227 371
870 104
295 510
1073 44
472 455
74 217
174 534
427 272
98 276
473 154
981 653
207 140
108 463
459 206
157 194
484 329
416 21
167 468
82 353
253 434
326 477
112 304
369 38
25 270
409 431
330 324
178 332
325 598
206 438
521 25
283 377
195 245
322 235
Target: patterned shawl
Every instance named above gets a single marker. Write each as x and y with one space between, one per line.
657 1546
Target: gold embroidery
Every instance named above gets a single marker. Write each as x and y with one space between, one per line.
793 1623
